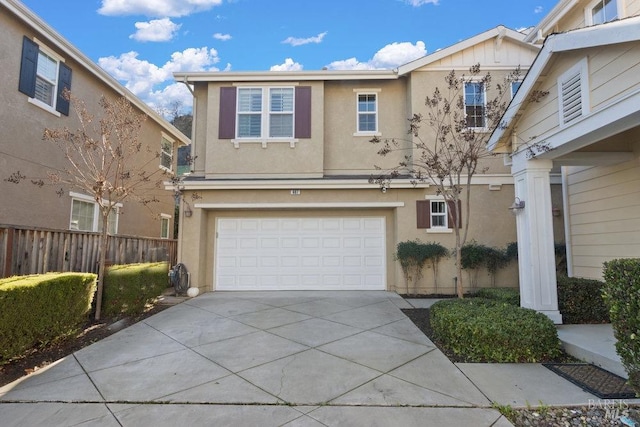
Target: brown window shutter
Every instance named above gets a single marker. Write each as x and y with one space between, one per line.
423 213
303 112
227 118
452 213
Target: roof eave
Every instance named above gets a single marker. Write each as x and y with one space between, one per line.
280 76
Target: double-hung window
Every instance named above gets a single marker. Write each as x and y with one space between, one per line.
43 77
265 113
474 105
86 215
437 215
166 153
514 87
602 11
367 113
165 221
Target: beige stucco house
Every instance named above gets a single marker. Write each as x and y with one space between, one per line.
36 64
588 127
279 194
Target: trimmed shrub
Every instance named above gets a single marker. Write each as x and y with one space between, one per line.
506 295
622 296
39 309
482 330
580 301
413 255
129 288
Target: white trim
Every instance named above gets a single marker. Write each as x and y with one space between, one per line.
166 217
567 221
321 205
366 92
284 76
48 108
588 12
439 230
264 84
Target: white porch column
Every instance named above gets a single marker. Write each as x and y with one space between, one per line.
536 255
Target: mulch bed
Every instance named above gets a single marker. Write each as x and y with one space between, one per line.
593 379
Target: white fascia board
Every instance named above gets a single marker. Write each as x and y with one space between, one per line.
550 20
325 205
512 35
53 37
280 76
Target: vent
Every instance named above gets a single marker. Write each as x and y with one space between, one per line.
572 98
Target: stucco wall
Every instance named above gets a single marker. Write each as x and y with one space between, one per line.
22 148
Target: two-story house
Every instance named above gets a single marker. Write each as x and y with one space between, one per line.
37 64
586 123
279 194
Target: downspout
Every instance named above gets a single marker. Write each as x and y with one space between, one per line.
192 152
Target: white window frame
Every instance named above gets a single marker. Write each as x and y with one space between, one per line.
265 116
588 11
163 153
438 228
96 212
376 113
165 218
580 69
484 104
51 108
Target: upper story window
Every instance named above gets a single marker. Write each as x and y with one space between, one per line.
43 77
86 215
166 153
602 11
514 87
269 116
474 104
264 114
367 112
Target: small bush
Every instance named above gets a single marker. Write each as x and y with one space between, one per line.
129 288
506 295
622 296
580 301
38 309
482 330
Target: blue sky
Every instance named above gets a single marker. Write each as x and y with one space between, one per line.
142 42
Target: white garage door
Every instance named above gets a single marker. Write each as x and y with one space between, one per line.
300 253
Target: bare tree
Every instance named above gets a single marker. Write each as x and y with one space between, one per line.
106 159
450 153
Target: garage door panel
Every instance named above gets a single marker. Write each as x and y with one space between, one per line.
300 253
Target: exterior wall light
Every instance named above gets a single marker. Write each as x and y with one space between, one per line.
187 211
516 206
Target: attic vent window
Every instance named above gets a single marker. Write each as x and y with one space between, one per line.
573 93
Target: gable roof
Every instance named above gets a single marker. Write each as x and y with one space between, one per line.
622 31
547 23
54 38
500 32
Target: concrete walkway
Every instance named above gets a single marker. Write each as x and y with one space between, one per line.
276 358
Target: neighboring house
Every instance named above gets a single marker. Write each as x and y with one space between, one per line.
589 125
279 198
37 64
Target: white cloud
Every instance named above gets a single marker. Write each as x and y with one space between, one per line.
390 56
288 65
156 30
160 8
418 3
222 37
538 9
152 83
294 41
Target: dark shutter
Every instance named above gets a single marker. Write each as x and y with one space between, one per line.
303 112
452 213
28 67
423 213
227 118
64 82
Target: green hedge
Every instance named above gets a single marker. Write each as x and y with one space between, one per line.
580 301
507 295
622 296
36 310
482 330
128 288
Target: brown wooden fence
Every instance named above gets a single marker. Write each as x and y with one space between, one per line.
25 250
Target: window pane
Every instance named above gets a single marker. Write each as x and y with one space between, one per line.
474 104
438 214
514 88
281 126
281 100
249 125
366 122
605 11
249 100
167 153
164 230
165 160
82 215
112 222
366 103
44 91
47 67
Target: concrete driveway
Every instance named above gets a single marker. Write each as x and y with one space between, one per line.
257 358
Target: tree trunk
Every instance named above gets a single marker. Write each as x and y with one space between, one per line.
102 263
